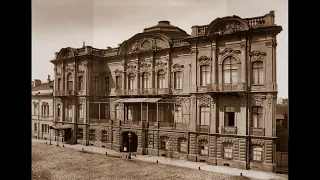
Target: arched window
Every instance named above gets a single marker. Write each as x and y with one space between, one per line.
230 70
205 75
59 84
257 72
178 80
145 80
70 82
161 79
132 81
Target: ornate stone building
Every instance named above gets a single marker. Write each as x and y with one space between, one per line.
209 96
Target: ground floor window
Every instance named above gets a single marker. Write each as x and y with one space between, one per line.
35 127
104 136
92 134
203 147
80 133
45 128
182 145
164 143
227 150
257 153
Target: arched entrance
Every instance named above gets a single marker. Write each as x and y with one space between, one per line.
125 142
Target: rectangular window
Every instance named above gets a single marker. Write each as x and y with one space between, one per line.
178 80
203 147
178 114
257 154
104 136
80 83
145 80
69 111
107 80
257 118
205 75
96 84
107 111
204 115
80 133
257 71
118 112
118 82
164 143
227 149
229 116
92 135
35 127
45 128
132 81
161 112
161 79
144 112
80 111
47 110
34 109
130 113
182 145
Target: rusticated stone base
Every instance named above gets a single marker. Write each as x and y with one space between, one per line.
212 161
178 155
153 152
202 159
116 148
192 157
141 151
231 163
261 167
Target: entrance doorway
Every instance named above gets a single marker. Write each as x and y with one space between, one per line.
67 135
125 142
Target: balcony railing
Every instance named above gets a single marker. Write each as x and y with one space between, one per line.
265 20
162 91
257 131
180 42
131 122
220 87
203 128
93 120
64 93
149 91
68 119
228 130
57 119
166 125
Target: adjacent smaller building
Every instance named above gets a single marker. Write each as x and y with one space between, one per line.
42 108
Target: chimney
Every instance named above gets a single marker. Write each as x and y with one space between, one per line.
36 82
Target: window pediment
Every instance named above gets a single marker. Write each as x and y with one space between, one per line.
257 55
177 67
118 72
204 60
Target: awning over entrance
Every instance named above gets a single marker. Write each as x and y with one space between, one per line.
61 127
138 100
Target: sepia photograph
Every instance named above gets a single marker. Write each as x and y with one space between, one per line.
159 89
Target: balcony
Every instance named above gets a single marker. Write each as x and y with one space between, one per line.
57 119
257 131
149 91
172 126
228 87
80 120
162 91
203 128
98 121
64 93
68 119
228 130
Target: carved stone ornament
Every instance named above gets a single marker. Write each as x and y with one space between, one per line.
204 100
81 100
212 102
164 134
145 44
201 138
194 51
193 99
58 100
229 52
228 140
184 136
257 99
131 68
269 99
160 65
204 60
177 67
145 67
80 72
69 69
35 103
44 103
229 27
257 142
243 45
117 72
271 43
257 55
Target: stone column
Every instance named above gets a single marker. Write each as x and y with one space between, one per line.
193 114
213 64
194 69
213 119
243 61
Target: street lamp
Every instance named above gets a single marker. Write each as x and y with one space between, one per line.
129 136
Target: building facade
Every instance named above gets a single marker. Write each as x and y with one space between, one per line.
208 97
42 108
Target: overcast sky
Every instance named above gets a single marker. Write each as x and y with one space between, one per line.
100 23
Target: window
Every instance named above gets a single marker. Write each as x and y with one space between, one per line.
178 80
178 114
80 111
70 82
80 133
204 115
203 147
145 80
81 83
229 115
227 150
96 83
107 110
144 112
45 128
182 145
257 153
130 113
118 111
205 75
107 80
69 112
118 82
59 110
92 134
59 84
132 81
104 136
257 118
35 127
161 79
164 143
47 109
42 110
34 109
161 112
257 71
230 70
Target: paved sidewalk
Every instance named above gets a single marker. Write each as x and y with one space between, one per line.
175 162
